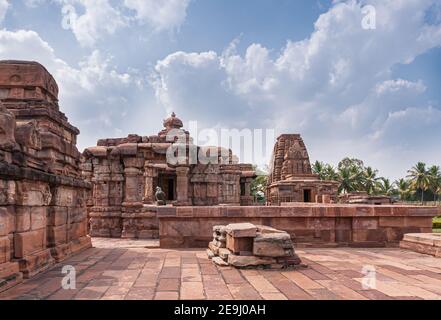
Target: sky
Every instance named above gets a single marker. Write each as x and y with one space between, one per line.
308 67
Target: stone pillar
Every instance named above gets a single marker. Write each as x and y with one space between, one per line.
133 187
182 186
150 174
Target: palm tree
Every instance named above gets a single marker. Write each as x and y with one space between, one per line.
403 188
435 180
330 173
385 187
370 180
349 179
419 178
318 168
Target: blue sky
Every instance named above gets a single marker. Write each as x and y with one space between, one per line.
295 66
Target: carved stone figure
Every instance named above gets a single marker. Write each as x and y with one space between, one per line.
160 197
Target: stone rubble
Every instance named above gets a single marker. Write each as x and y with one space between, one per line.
251 246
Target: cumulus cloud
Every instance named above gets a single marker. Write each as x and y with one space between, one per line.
92 20
160 14
335 87
100 18
94 94
4 5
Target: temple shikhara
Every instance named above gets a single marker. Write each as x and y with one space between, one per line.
54 198
291 178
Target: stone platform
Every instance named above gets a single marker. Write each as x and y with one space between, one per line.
125 269
428 243
317 225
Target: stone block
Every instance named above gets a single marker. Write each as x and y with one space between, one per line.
249 261
365 223
238 245
266 229
5 249
29 242
273 245
57 235
22 219
241 230
77 230
38 217
210 254
215 249
57 216
220 262
224 253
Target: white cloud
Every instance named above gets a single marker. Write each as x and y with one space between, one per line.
335 87
4 5
160 14
100 18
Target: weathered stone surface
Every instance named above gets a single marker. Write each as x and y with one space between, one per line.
210 254
241 230
220 262
273 245
224 253
249 261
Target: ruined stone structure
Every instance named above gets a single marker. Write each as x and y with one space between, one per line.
291 178
245 245
42 194
126 171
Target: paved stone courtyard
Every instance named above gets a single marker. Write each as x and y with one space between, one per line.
127 269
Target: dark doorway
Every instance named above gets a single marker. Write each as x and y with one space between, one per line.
306 195
171 188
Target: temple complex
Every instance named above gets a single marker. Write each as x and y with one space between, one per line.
125 173
291 178
53 198
43 209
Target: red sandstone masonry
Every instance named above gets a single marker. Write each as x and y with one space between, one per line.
308 224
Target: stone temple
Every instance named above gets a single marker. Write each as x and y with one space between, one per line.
125 173
291 178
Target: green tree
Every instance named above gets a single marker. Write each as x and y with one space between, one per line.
318 168
350 175
435 180
419 178
385 187
370 181
403 188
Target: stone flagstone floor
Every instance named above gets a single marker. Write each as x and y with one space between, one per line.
124 269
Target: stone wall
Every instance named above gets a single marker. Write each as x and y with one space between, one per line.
313 224
43 214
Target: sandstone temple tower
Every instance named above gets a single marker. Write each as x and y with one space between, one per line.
43 213
291 178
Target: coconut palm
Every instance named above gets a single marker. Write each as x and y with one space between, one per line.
403 188
435 180
330 173
348 178
385 187
370 181
318 168
419 178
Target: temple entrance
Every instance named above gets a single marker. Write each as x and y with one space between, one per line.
307 195
167 182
